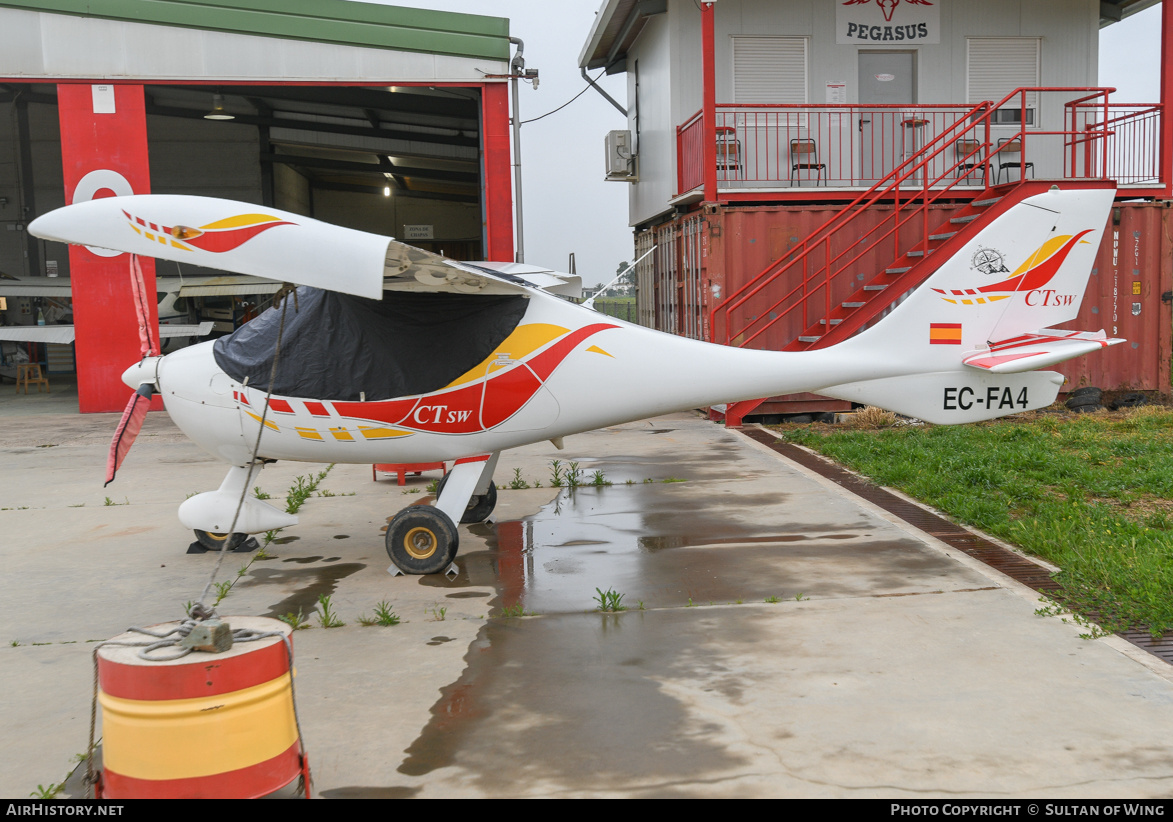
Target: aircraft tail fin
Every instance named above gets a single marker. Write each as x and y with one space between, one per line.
989 313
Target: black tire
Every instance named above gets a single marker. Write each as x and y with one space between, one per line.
1133 399
1085 399
215 542
479 505
422 540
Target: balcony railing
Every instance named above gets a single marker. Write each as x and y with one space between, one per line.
785 148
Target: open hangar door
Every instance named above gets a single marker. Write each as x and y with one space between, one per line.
403 161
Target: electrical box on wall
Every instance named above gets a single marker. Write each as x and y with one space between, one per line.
621 162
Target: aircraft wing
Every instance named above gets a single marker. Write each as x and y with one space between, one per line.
37 333
266 242
36 287
65 333
1042 348
185 330
224 286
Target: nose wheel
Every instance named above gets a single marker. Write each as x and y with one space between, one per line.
422 540
215 542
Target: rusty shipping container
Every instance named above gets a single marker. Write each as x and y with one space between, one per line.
702 257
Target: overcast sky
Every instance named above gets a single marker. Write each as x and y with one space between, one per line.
569 207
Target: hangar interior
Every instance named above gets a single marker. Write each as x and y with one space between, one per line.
402 161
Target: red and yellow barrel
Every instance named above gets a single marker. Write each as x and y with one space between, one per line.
202 726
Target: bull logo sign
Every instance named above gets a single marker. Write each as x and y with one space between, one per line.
887 21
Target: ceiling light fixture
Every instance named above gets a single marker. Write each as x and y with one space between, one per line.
386 191
218 112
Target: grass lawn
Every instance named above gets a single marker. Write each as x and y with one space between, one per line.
1090 493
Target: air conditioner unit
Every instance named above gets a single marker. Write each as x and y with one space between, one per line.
621 162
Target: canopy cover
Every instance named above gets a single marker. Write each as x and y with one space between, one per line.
339 347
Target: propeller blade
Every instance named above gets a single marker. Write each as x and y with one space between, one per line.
128 428
141 308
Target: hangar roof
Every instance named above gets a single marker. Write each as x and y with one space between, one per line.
324 21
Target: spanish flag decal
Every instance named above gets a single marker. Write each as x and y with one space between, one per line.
944 333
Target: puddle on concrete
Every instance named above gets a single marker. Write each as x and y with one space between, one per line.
342 536
309 584
578 701
666 545
285 540
583 693
302 560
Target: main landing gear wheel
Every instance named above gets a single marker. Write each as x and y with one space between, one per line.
215 542
422 540
479 505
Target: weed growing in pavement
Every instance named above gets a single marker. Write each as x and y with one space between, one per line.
297 621
515 610
327 618
557 479
772 600
800 597
384 615
518 484
573 475
49 791
598 479
303 488
1051 608
259 494
609 600
222 589
438 614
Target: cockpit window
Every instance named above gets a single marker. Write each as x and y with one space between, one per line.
340 347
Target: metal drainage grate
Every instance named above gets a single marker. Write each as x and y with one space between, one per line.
1013 565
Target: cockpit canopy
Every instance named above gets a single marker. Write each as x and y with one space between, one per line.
338 347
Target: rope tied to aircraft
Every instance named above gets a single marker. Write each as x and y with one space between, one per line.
200 614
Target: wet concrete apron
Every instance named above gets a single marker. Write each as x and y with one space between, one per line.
791 643
778 641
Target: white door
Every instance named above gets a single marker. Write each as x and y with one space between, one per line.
886 78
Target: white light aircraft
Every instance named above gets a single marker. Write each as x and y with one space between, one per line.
397 355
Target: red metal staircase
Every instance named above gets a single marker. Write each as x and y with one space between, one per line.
828 284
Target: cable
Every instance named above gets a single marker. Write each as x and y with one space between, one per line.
564 105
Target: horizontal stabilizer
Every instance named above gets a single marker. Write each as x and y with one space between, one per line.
1037 350
952 397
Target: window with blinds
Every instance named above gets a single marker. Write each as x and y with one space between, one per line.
997 66
769 70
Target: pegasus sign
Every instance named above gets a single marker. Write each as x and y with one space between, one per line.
887 21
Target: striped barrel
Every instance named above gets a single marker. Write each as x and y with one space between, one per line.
203 726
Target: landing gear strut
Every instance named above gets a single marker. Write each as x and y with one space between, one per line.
479 505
